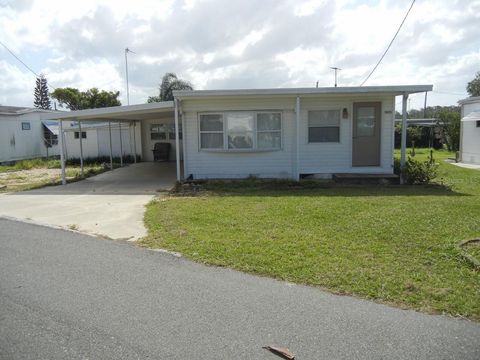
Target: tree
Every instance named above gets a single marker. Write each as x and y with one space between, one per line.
473 87
40 94
75 99
170 82
450 124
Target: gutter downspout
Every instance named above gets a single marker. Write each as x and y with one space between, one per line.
297 161
62 154
177 141
403 139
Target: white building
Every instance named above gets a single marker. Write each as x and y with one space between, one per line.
23 135
274 133
470 131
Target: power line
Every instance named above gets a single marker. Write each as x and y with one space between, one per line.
23 63
389 45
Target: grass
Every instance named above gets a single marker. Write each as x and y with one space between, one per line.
393 244
36 173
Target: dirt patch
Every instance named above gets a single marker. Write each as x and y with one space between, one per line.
15 180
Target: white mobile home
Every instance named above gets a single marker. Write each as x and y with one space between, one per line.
96 139
274 133
470 131
24 136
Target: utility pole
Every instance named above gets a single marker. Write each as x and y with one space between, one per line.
336 69
127 50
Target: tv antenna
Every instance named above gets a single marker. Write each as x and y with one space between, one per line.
336 69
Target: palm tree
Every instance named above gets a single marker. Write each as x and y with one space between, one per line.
170 82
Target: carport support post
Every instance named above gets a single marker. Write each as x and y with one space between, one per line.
177 141
81 148
404 139
297 142
62 155
111 151
135 142
121 145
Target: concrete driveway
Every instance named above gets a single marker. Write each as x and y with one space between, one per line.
111 204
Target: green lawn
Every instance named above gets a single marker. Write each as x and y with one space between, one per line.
394 244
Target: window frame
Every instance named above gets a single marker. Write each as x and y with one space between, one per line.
339 126
200 131
26 126
255 131
76 135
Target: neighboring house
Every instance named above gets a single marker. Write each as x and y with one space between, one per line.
470 131
24 136
96 139
274 133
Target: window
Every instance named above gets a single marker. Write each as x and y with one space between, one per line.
25 126
158 132
164 132
478 123
324 126
269 130
211 131
77 134
171 131
365 124
241 130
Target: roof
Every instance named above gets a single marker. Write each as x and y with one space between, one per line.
473 116
11 109
420 122
52 126
116 113
392 90
19 110
469 100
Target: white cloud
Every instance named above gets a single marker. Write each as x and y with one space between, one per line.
238 43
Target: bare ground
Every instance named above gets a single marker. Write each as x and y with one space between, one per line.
22 179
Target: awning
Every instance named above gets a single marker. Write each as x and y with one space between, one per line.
52 126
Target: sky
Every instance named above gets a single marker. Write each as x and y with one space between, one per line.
232 44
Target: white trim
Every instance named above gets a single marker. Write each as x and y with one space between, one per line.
254 148
396 89
110 111
472 99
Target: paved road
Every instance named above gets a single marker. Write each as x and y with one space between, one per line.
68 296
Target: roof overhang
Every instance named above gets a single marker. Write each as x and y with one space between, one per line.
307 92
472 99
51 125
473 116
117 113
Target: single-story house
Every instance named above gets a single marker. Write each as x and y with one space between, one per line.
470 131
24 136
271 133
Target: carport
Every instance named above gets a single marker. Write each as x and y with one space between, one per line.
135 116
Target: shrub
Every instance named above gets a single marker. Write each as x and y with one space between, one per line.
417 172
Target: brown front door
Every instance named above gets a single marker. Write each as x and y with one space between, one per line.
366 134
